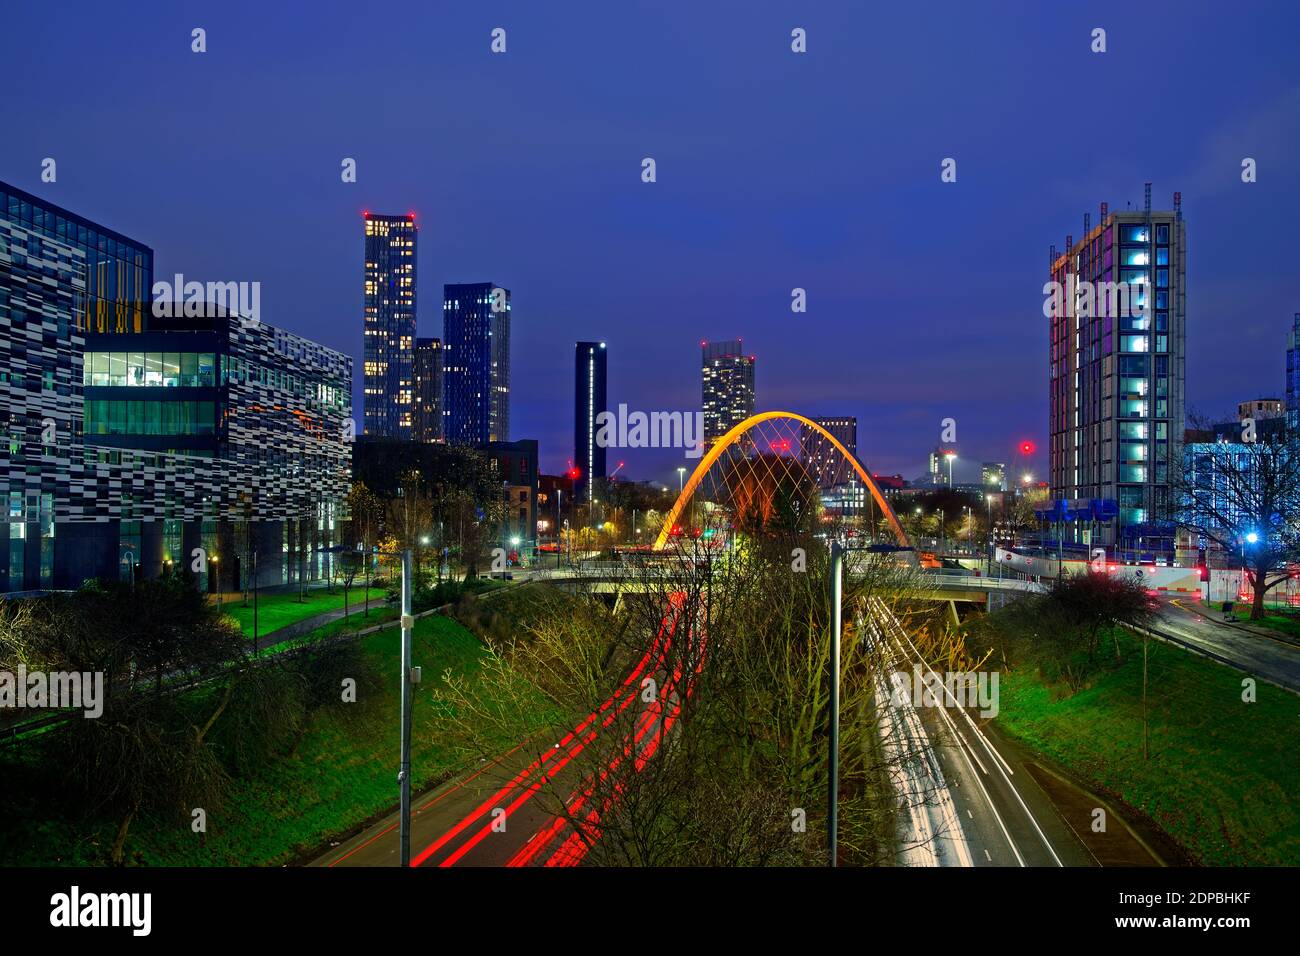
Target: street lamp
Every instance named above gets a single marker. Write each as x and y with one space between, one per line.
1251 537
410 676
216 569
681 475
837 626
988 501
951 456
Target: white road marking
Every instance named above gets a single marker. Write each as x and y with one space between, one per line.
943 713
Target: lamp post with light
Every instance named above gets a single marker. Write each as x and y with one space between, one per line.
410 676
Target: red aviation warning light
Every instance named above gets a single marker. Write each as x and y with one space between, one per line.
1027 448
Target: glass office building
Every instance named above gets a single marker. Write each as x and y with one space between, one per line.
125 450
476 363
118 270
428 390
1293 377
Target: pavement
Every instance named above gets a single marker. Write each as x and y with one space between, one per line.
1250 649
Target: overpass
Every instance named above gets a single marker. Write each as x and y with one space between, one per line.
618 578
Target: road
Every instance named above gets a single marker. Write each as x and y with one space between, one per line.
1004 812
1004 816
500 814
971 797
1267 658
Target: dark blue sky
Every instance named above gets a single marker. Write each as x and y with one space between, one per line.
775 170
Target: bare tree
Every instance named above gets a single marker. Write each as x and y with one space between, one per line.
704 703
1245 496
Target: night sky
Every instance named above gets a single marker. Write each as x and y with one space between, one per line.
775 170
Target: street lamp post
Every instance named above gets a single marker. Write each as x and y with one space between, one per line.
837 626
409 677
1251 537
833 777
988 501
255 652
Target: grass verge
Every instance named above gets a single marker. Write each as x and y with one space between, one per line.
275 611
1220 774
341 773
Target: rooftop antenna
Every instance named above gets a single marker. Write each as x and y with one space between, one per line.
1178 205
1087 223
1105 208
1148 199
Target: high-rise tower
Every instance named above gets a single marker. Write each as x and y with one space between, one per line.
1116 371
476 363
589 400
727 386
389 348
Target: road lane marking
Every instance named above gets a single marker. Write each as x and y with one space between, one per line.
943 712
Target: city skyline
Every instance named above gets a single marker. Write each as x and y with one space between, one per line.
846 438
863 230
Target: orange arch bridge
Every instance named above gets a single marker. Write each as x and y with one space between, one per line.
736 434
